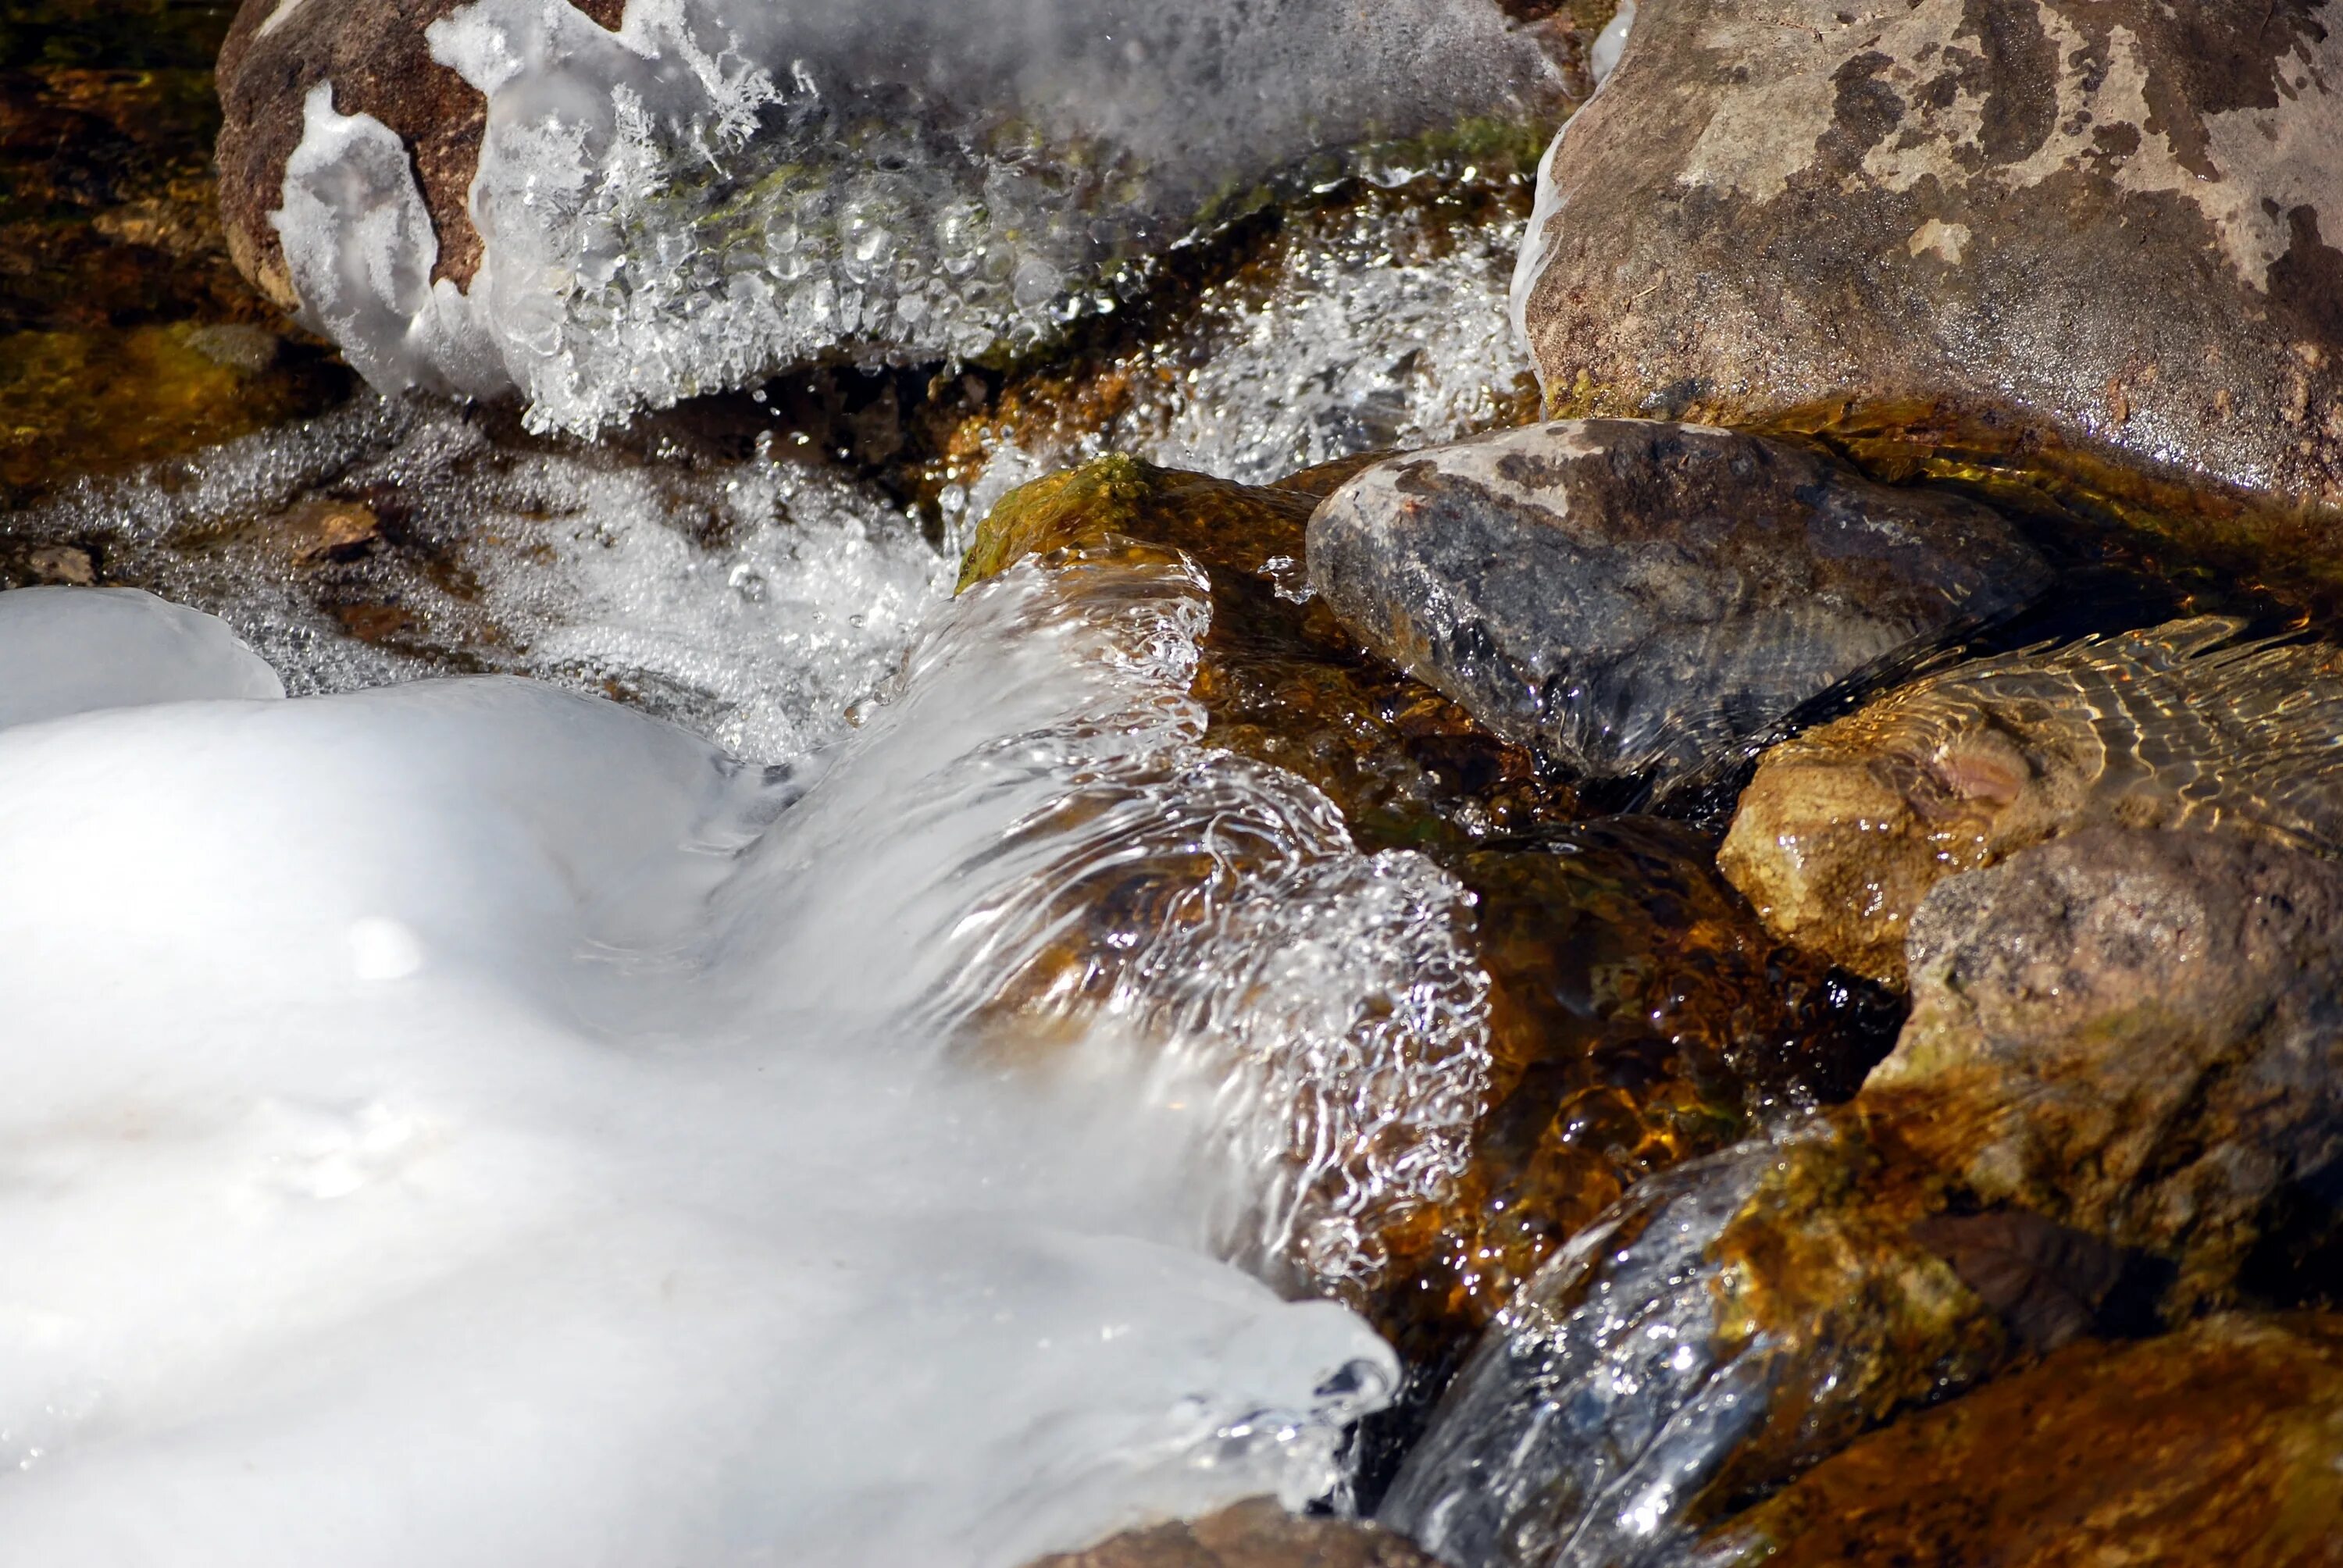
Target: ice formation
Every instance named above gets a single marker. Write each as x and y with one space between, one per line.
469 1123
717 191
1381 325
1537 241
77 650
751 601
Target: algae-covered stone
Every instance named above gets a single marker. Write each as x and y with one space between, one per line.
1634 596
1845 827
2092 241
1254 1534
2220 1443
1281 682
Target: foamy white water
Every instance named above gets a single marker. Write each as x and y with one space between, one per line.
476 1123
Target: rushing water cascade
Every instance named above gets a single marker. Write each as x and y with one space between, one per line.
715 192
515 1130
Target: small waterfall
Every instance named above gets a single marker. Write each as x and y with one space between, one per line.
643 1154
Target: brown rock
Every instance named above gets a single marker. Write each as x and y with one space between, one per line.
374 53
60 565
1846 827
1256 1533
2136 1035
324 529
2096 241
2221 1443
2125 1048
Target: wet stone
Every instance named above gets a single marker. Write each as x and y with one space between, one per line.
1632 596
1846 827
1281 682
2123 1053
1252 1534
125 334
2093 244
2136 1035
1639 1017
2219 1443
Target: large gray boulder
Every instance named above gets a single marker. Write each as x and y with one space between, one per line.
2096 242
1634 596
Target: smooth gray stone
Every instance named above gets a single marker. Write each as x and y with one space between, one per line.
1634 596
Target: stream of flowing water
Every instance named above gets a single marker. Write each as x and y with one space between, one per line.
882 1090
469 1123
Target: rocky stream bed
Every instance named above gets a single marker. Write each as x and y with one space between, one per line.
1229 785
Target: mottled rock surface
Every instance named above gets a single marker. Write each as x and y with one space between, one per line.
2097 240
1634 594
2221 1443
2125 1049
1845 827
2137 1034
1254 1534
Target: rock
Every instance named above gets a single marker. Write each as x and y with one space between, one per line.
1638 1018
377 59
1633 596
1281 680
324 529
1845 827
1725 1326
59 566
508 193
2135 1035
125 334
2219 1443
2096 243
1253 1534
2125 1049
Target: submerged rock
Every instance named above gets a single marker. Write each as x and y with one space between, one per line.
1254 1534
125 334
2124 1048
1282 681
608 210
2220 1443
1633 596
1845 827
2137 1034
1638 1018
2097 242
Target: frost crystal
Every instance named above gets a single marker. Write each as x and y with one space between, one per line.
716 192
